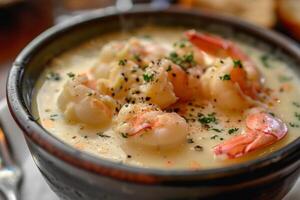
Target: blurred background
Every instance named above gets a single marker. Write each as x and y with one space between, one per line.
22 20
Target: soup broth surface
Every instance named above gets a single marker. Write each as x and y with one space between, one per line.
208 123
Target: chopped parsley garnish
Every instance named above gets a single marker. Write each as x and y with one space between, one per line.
71 74
210 118
214 137
148 77
122 62
53 117
296 104
188 58
53 76
265 61
232 130
237 63
169 68
181 43
103 135
294 125
217 130
297 115
283 78
226 77
137 57
124 135
174 57
185 61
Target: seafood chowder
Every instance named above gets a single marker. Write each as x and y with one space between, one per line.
170 98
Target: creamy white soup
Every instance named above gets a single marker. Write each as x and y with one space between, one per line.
169 98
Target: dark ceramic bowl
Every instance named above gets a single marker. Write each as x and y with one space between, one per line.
75 175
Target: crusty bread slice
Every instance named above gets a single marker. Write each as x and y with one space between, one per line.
260 12
289 16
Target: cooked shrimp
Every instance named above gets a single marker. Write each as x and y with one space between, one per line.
262 129
147 125
186 84
143 51
157 87
217 85
137 50
123 77
244 73
80 102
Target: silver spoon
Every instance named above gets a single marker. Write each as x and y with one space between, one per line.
10 172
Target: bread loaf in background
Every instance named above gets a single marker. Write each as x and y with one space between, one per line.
289 16
259 12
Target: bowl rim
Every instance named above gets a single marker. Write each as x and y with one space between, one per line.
64 152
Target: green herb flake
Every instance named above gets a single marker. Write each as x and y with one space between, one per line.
181 43
188 58
169 68
296 104
70 74
137 57
265 60
122 62
283 78
214 137
237 64
185 61
148 77
210 118
53 117
217 130
232 130
294 125
173 56
226 77
297 115
53 76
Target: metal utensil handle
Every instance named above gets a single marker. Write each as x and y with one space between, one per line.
11 194
5 153
10 173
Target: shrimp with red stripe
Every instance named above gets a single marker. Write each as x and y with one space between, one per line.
234 75
262 129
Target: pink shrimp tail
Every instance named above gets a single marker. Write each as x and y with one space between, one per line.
243 144
216 46
262 130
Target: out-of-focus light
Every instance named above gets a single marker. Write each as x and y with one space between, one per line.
124 5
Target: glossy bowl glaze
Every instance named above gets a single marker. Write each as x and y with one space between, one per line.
75 175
